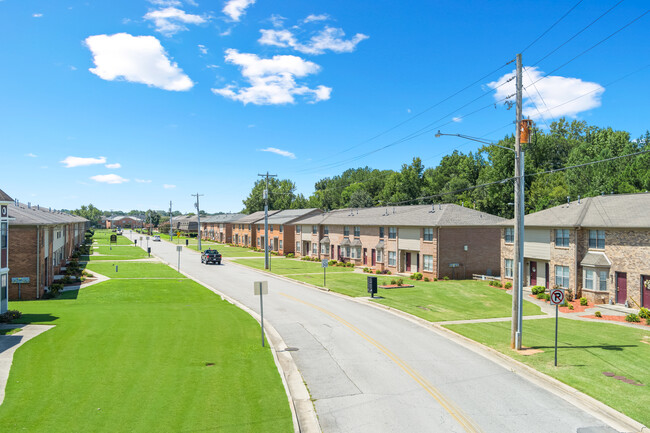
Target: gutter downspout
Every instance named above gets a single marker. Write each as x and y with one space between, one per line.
38 260
438 255
576 277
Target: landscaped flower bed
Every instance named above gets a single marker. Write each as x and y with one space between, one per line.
618 319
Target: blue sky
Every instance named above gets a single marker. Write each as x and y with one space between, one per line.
131 104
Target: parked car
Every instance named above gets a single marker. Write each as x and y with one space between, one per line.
156 238
211 256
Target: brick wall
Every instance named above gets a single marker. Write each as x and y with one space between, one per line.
483 251
22 260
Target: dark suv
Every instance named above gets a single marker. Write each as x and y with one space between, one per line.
211 256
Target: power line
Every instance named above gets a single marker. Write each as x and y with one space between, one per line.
553 25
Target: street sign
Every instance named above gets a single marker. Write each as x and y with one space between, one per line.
179 248
20 280
261 288
325 263
557 296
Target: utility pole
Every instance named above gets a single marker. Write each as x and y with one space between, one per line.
266 218
171 227
198 215
518 280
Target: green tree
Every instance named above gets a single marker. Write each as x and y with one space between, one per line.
90 212
281 195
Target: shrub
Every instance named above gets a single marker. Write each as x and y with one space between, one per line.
350 265
568 295
435 279
290 255
446 278
426 279
598 314
632 318
10 315
647 321
536 290
366 270
644 313
393 282
565 303
508 285
67 279
570 306
583 301
541 296
304 258
331 262
547 296
378 272
388 272
400 282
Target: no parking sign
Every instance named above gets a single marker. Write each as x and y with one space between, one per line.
557 296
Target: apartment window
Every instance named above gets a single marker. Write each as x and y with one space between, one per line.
3 235
589 279
392 232
314 248
271 228
562 276
298 246
3 287
597 239
602 279
509 268
428 234
326 230
380 257
346 231
561 237
595 279
392 258
357 231
280 245
356 253
510 235
280 228
381 232
323 248
346 251
427 264
250 227
314 230
258 242
298 229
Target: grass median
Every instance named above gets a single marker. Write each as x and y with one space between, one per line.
586 350
141 356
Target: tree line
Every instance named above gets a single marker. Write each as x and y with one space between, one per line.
483 179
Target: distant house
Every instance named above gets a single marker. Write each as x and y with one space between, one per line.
186 224
123 222
599 247
244 230
5 201
282 229
443 240
219 227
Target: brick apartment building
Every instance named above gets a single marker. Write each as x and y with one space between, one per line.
244 230
41 242
5 201
445 240
123 221
282 229
598 247
219 227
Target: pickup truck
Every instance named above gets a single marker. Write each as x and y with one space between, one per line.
211 256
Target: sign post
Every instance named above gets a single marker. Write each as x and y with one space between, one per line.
19 281
261 288
557 298
324 263
179 248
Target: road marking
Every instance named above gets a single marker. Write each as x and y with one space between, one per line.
447 404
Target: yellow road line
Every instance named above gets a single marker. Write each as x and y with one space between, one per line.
447 404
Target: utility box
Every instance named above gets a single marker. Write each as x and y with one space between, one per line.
372 286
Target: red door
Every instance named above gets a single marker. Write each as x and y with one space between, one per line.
621 287
645 290
365 256
373 257
546 278
533 273
408 262
338 250
332 255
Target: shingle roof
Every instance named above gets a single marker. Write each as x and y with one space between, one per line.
255 216
439 215
289 215
121 217
606 211
597 259
23 215
223 218
4 196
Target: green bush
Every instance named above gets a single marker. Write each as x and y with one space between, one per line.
435 279
350 265
446 278
644 313
565 303
331 262
400 282
508 285
378 272
541 296
568 295
570 306
426 279
536 290
366 270
547 296
388 272
393 282
10 315
416 276
632 318
290 255
598 314
583 301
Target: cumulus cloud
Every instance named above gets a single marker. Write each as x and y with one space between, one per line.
37 15
171 20
203 49
31 155
557 93
329 38
279 152
143 180
166 2
138 59
109 178
272 81
236 8
116 165
457 119
312 18
75 161
168 186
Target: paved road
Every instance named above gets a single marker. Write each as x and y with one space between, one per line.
370 371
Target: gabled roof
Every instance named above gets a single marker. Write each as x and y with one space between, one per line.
35 215
121 217
223 218
4 197
255 216
604 211
290 215
439 215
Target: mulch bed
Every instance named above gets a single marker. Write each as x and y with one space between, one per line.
617 319
577 308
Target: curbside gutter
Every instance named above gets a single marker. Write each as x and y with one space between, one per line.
303 412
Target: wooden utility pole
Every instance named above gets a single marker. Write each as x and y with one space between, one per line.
266 219
517 288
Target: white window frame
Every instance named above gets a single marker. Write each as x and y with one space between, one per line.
509 268
563 236
562 276
357 231
379 256
509 236
597 239
392 232
427 263
314 248
297 246
392 258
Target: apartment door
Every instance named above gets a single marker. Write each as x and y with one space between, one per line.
645 290
373 255
533 273
338 253
365 256
621 287
332 255
407 260
276 244
547 274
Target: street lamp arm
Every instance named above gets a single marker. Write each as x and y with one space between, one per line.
467 137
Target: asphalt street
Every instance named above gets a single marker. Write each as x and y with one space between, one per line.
370 371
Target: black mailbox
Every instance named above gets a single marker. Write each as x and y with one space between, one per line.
149 251
372 286
135 241
187 242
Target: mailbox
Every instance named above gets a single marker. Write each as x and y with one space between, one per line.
372 286
187 242
149 251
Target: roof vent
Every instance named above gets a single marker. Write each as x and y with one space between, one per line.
357 211
29 205
433 208
578 198
462 204
568 200
38 206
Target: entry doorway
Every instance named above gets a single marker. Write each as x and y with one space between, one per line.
276 244
365 256
373 255
547 274
621 287
645 291
533 273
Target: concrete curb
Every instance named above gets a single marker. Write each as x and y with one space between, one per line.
303 412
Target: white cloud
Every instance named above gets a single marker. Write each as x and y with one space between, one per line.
166 2
457 119
116 165
203 49
168 186
72 68
272 81
555 91
109 178
138 59
170 21
31 155
329 38
143 180
75 161
312 17
279 152
236 8
37 15
277 20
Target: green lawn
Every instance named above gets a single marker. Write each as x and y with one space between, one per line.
103 237
143 356
134 270
433 301
585 351
116 253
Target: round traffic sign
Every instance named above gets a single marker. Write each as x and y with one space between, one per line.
557 296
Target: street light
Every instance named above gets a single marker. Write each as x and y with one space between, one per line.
518 289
